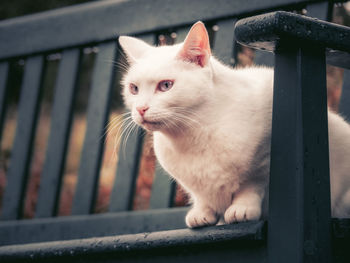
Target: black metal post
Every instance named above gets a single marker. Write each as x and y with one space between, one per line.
299 205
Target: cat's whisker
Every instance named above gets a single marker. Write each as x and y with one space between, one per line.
124 126
176 121
127 134
181 113
192 120
176 125
107 130
189 114
131 128
117 139
184 110
115 122
124 59
182 123
118 65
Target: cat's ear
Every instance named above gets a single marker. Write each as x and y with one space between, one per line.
196 47
133 47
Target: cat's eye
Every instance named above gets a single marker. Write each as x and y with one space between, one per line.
165 85
133 89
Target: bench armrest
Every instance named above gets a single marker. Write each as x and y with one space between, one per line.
299 193
266 31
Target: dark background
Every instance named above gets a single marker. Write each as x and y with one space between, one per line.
13 8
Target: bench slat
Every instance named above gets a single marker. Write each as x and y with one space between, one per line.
4 69
181 34
180 245
163 189
97 116
148 38
94 225
107 19
224 39
319 10
344 106
50 183
127 171
21 153
128 163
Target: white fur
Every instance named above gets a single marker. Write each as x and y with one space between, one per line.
213 132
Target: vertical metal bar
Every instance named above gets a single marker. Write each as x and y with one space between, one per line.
344 105
122 195
224 40
97 117
316 179
299 201
62 112
181 35
285 193
148 38
320 10
264 58
163 189
4 69
21 153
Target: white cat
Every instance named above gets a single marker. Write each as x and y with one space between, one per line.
212 127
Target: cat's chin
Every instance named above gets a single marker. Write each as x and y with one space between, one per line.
151 125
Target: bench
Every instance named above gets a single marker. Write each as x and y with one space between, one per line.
298 232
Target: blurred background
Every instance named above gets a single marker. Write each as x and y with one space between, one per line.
14 8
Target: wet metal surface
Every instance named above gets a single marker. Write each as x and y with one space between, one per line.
266 31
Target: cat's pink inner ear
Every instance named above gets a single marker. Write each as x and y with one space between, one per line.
196 47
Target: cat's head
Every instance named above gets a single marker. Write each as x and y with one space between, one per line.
165 86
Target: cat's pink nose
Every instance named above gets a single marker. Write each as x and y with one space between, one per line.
142 110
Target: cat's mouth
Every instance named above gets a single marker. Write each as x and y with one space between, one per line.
151 125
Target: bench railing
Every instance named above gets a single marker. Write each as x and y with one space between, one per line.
299 203
68 31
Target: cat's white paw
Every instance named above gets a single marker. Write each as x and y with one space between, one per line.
241 213
201 217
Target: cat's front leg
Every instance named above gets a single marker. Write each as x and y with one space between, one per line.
201 215
246 205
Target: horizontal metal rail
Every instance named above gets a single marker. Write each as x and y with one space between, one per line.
104 20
